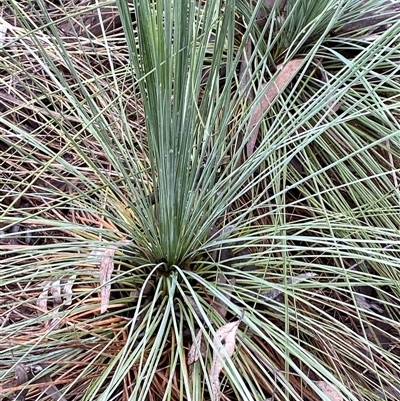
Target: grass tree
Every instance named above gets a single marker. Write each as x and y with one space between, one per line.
199 200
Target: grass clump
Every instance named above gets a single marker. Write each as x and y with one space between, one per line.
167 175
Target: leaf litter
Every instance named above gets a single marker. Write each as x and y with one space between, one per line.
59 291
273 294
331 392
198 345
33 374
224 346
286 73
104 256
106 269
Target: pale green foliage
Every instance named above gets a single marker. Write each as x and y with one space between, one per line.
135 138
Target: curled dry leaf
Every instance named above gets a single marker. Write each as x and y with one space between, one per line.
43 297
285 74
68 289
56 291
364 304
224 347
193 354
49 389
106 269
329 390
21 377
51 290
27 375
104 256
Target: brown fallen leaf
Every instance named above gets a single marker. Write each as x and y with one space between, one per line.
47 383
104 256
68 289
193 354
59 293
106 269
224 347
329 390
21 377
286 72
43 297
27 375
